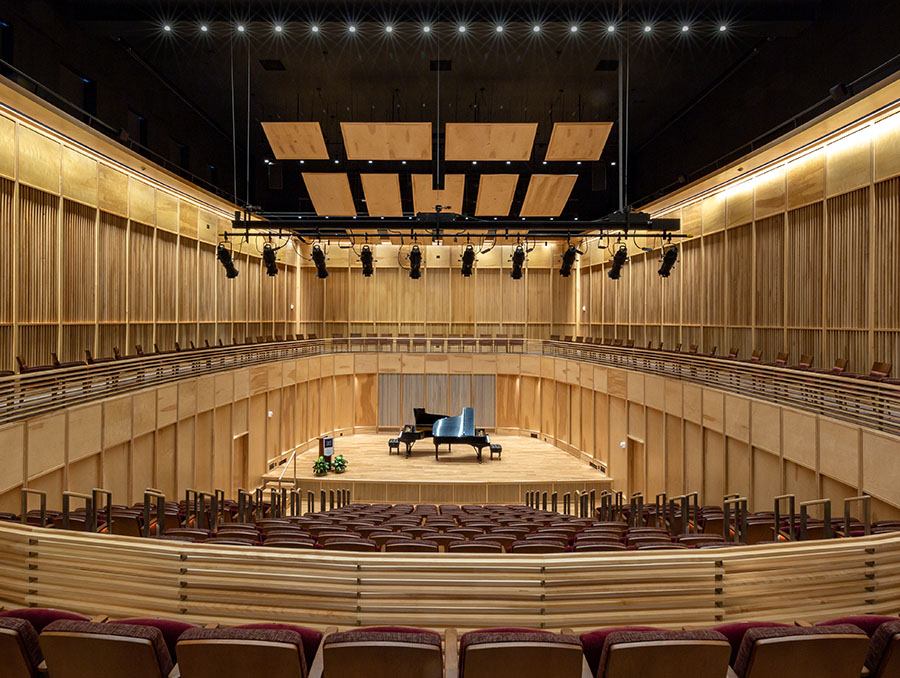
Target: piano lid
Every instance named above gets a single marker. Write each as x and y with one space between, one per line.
456 427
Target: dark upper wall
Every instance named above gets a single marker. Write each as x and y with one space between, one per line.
57 52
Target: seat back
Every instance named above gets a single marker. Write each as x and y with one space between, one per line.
20 651
833 651
880 370
883 660
383 652
75 649
664 654
520 653
227 653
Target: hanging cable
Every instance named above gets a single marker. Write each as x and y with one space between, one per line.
248 121
233 120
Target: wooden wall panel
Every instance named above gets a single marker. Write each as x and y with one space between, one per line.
847 257
37 256
739 298
78 260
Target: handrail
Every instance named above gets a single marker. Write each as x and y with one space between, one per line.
866 403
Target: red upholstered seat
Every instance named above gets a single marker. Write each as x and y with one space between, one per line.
141 649
40 617
526 637
711 653
883 660
735 633
20 650
310 637
170 629
867 622
592 643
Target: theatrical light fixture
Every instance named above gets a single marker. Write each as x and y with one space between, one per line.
240 28
573 28
669 257
415 263
224 255
167 28
499 28
685 28
278 28
314 28
468 261
366 259
426 28
318 257
268 255
462 28
619 259
611 28
723 28
536 28
648 28
388 29
351 28
204 28
518 261
568 260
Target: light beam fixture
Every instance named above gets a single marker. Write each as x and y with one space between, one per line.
619 259
669 257
223 254
468 261
518 261
366 259
568 260
415 263
268 255
318 257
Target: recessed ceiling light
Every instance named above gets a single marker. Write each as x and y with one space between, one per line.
388 29
314 28
611 28
336 162
536 28
573 28
279 28
302 162
723 28
461 28
351 28
507 162
370 162
499 28
204 28
240 28
426 28
685 28
403 163
167 28
545 162
648 28
474 162
578 163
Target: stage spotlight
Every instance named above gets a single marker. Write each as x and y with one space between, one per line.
518 261
670 256
365 257
388 29
351 28
314 28
461 28
278 28
318 257
224 255
426 28
415 263
619 259
568 260
268 255
204 28
536 28
611 28
573 28
167 28
241 28
468 261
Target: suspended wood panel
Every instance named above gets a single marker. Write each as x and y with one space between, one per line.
469 141
450 198
296 140
330 193
547 195
382 193
578 141
495 194
387 140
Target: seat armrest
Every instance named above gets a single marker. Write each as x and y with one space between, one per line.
317 668
585 669
42 670
100 619
451 654
802 623
731 673
175 672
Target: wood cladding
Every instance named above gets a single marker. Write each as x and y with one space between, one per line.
97 258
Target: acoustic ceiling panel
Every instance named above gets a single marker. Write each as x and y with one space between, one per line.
330 193
547 195
382 194
387 140
489 141
578 141
296 140
451 198
495 194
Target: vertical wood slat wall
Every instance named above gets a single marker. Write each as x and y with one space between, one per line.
93 257
800 259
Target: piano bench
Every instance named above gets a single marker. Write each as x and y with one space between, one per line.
495 448
393 446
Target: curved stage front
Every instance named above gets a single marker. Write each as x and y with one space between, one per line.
373 475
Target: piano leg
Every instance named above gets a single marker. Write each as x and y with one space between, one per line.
408 450
435 452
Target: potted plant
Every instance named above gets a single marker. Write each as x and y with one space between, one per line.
339 464
320 466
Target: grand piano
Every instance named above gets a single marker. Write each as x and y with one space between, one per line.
421 429
445 431
461 429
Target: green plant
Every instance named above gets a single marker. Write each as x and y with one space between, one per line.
320 466
339 464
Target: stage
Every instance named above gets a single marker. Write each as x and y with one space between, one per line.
456 477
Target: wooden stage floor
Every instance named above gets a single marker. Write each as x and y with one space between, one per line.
373 475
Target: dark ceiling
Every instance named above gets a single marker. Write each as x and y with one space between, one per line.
694 97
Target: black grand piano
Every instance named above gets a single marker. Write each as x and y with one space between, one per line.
445 431
459 429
